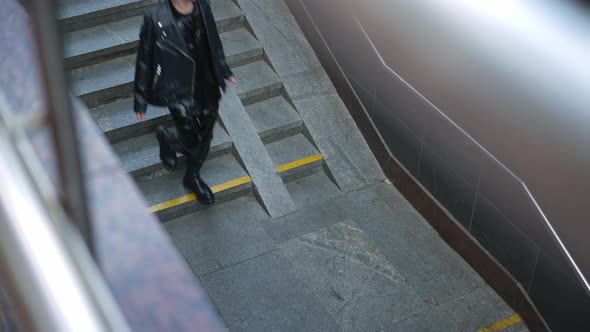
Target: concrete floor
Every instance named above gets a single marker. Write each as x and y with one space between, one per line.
358 261
344 252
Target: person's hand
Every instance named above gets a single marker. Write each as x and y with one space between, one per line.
231 79
140 116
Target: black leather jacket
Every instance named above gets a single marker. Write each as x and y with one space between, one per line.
165 71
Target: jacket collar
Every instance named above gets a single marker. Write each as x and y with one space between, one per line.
175 39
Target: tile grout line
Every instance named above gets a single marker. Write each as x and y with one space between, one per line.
237 263
425 310
208 296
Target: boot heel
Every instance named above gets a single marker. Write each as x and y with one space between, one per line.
201 190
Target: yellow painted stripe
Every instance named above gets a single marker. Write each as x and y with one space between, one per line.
503 324
299 163
172 203
233 183
191 197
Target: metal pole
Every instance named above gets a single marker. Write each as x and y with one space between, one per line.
49 259
51 276
50 48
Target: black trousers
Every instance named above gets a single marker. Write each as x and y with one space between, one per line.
194 128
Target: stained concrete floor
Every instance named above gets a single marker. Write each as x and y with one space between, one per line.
358 261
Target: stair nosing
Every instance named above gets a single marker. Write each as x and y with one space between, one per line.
218 150
108 11
222 150
93 57
164 118
273 88
291 127
295 174
192 206
105 95
135 127
285 131
243 189
281 132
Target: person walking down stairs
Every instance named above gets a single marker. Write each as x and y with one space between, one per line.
181 65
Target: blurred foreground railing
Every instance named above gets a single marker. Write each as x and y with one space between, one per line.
52 278
46 240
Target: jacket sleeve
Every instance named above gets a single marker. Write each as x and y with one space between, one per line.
227 73
143 66
218 46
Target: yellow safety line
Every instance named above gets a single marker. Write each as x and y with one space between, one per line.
298 163
191 197
172 203
503 324
233 183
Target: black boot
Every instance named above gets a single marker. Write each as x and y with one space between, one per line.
167 152
202 191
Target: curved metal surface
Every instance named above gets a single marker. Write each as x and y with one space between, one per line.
548 224
515 78
50 55
51 275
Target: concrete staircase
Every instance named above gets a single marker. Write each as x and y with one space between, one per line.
101 44
306 234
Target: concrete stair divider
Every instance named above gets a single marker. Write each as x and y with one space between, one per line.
100 49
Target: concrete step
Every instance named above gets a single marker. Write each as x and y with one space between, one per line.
82 14
99 43
112 79
121 37
274 119
169 199
312 190
295 157
263 83
227 177
118 122
140 155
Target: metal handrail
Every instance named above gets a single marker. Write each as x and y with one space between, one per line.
50 273
46 255
547 224
50 49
